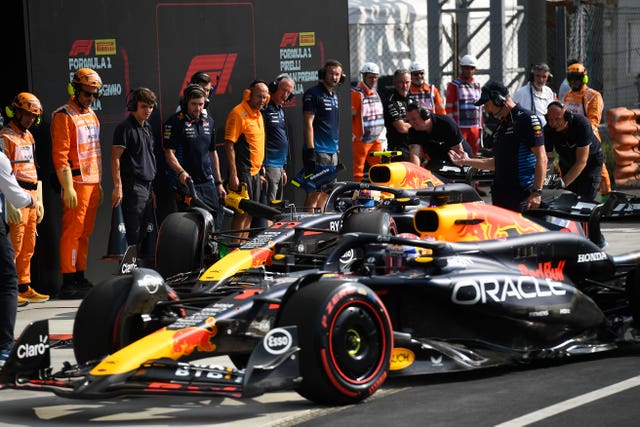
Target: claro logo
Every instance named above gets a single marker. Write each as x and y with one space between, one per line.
27 350
219 67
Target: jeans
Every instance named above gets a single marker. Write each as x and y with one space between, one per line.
8 289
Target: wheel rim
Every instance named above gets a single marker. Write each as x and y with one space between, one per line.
356 343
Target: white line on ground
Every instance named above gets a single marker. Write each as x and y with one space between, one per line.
552 410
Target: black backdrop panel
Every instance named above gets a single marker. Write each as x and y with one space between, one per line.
159 45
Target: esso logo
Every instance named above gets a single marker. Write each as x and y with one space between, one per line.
277 341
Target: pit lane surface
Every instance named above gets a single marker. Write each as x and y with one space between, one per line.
594 390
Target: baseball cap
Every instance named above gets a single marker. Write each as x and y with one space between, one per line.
488 88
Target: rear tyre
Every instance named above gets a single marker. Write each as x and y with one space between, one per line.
375 221
345 338
97 319
179 244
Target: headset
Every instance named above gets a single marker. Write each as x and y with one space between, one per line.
425 114
246 94
568 115
539 67
200 76
192 91
322 72
273 86
134 97
496 97
10 112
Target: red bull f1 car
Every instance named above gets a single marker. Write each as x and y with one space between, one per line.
379 305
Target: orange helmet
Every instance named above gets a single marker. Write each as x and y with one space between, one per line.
87 77
576 68
28 102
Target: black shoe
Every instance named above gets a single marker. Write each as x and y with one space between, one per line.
72 292
84 284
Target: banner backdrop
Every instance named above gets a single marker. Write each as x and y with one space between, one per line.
160 45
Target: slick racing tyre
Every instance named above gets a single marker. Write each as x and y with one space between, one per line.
96 319
375 221
345 339
111 316
179 244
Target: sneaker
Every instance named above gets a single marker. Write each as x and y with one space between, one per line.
22 302
72 292
4 355
32 296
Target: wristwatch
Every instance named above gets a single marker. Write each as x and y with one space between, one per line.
537 191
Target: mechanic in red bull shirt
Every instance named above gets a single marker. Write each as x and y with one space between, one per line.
520 160
320 128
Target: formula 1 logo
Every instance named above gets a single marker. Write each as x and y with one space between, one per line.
298 39
219 67
81 47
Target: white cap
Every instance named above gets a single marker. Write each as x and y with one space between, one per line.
370 67
416 66
469 61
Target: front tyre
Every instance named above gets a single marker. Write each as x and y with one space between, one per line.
345 337
97 319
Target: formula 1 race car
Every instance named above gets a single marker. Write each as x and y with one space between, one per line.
407 307
399 194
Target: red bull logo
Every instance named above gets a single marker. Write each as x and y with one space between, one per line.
186 340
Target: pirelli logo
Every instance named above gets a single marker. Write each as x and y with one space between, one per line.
308 39
105 46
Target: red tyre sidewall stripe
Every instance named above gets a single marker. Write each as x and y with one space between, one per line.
331 365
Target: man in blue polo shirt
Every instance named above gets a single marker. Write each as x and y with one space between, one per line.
321 145
520 160
277 140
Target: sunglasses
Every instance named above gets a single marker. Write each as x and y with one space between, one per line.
96 95
418 72
575 76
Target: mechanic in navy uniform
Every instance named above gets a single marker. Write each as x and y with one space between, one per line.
519 161
321 127
580 155
190 150
395 115
10 192
436 134
277 140
133 163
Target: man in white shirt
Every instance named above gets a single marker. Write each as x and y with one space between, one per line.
536 95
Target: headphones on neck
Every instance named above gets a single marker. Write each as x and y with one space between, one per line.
273 86
192 90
